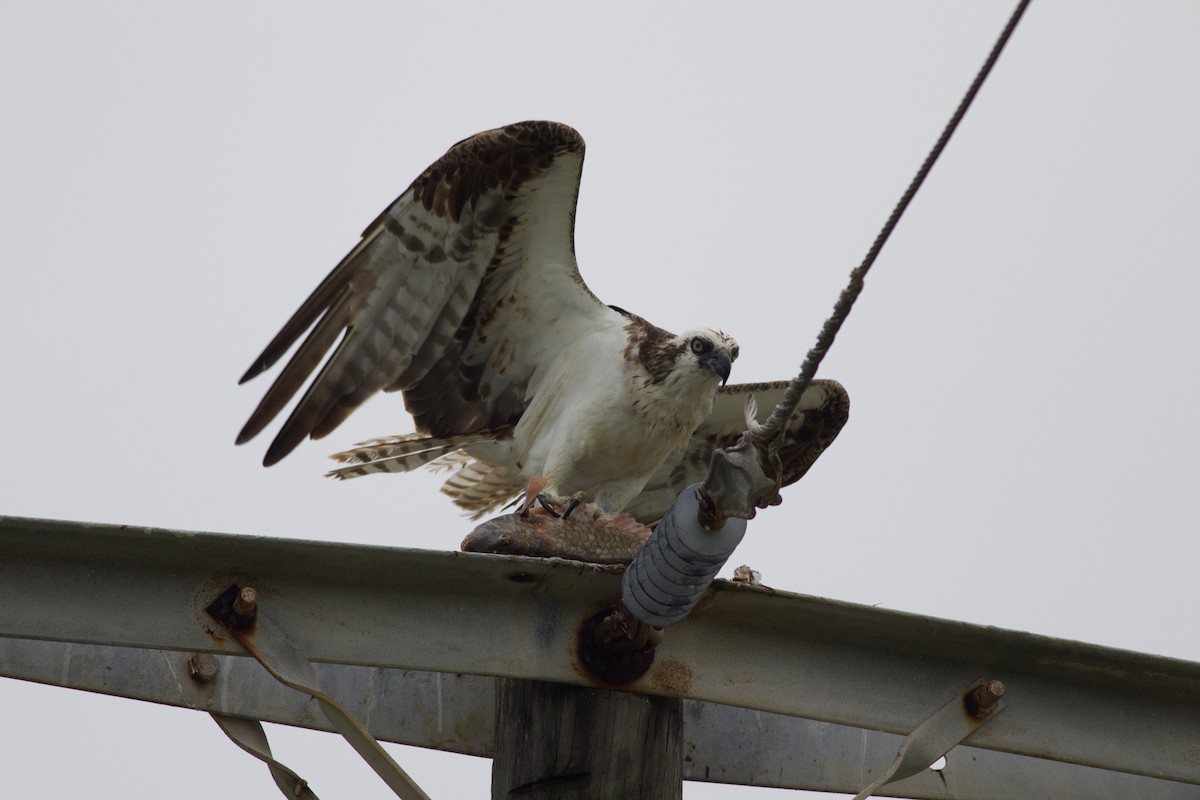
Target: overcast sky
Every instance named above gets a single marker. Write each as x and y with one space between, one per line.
175 179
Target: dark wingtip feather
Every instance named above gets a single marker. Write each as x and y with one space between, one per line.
279 450
254 426
256 369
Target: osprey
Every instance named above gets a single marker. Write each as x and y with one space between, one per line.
464 295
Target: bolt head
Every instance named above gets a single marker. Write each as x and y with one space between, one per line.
203 667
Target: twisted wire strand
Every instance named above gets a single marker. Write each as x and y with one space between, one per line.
771 432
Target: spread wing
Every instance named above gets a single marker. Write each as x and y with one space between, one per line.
823 410
456 295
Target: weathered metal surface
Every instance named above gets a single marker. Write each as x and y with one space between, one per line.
961 716
722 744
275 651
454 713
739 746
499 615
249 735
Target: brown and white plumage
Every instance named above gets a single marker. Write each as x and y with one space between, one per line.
482 487
465 296
447 297
823 410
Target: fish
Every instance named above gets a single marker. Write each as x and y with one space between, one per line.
596 539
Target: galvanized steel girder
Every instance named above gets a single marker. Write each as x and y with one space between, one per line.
498 615
722 744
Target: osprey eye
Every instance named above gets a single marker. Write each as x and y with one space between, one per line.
700 346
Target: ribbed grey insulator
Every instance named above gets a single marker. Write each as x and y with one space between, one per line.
669 575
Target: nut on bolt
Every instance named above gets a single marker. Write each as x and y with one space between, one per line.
236 607
982 700
617 647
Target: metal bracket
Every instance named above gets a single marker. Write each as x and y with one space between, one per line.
249 735
945 728
237 609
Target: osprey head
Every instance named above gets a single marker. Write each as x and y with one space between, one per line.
708 349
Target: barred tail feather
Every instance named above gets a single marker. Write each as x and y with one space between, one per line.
398 453
481 486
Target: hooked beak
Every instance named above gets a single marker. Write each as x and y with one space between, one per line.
720 363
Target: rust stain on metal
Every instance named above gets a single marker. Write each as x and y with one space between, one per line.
608 655
203 593
236 609
672 675
982 700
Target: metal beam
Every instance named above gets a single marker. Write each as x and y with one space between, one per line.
745 646
722 744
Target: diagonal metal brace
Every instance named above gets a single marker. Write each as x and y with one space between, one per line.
237 610
249 735
945 728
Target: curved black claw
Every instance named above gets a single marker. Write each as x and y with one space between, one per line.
571 506
541 498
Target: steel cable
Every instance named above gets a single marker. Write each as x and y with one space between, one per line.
770 433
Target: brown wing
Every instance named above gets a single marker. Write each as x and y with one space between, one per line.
433 301
823 410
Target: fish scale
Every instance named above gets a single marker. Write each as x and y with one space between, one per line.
581 536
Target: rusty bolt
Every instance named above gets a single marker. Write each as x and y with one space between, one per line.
616 646
203 667
622 625
244 603
982 700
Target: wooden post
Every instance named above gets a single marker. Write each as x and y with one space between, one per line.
559 742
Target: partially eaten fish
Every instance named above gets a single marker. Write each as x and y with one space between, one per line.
583 536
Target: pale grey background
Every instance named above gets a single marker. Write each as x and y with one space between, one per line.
175 178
